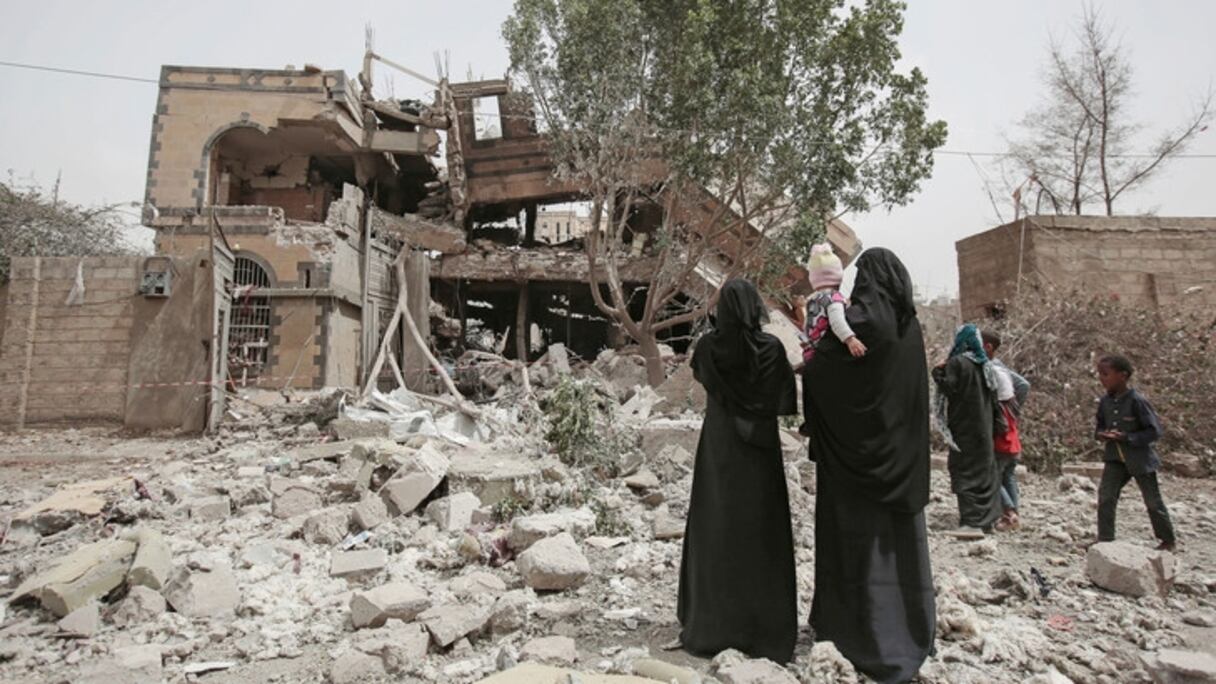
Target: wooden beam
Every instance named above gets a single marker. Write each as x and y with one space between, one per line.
522 329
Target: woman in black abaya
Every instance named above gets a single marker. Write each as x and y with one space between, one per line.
737 586
869 425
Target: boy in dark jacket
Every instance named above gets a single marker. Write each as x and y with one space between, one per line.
1128 426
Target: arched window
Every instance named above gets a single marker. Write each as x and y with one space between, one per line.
249 322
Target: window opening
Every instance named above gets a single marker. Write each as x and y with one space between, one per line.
249 322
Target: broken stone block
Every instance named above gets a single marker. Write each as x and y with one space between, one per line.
399 646
559 358
419 475
89 572
203 593
667 526
354 667
1175 666
356 564
327 526
142 604
476 583
455 512
153 560
681 392
250 472
250 493
555 650
399 600
1184 465
658 670
828 664
491 475
347 428
1131 570
448 624
659 433
511 611
643 481
370 513
210 508
1088 469
553 564
295 499
126 665
758 671
82 622
529 529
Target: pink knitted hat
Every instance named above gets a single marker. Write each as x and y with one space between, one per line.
824 267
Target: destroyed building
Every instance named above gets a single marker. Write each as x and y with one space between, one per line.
1150 261
283 198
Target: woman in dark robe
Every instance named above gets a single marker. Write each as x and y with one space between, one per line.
966 385
869 435
737 585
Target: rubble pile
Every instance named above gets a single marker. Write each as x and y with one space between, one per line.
318 538
1054 339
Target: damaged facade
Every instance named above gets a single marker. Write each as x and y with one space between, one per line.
1149 261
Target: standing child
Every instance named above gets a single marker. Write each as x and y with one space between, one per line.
825 308
1128 427
1012 390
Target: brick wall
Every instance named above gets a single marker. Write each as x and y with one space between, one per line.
988 268
77 356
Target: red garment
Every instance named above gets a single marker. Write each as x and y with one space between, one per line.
1008 443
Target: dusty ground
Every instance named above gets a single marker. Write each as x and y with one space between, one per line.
997 624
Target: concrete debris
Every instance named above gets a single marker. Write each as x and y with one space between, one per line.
493 476
153 560
477 583
210 509
1184 465
357 564
397 601
1089 469
126 665
659 433
89 572
748 671
666 526
537 673
82 499
665 672
529 529
449 623
416 478
511 611
553 564
1174 666
295 499
204 592
555 650
829 666
327 526
370 513
641 404
141 604
208 666
681 393
454 513
1128 569
354 667
643 481
82 622
399 646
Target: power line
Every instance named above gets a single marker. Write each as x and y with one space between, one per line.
957 153
76 72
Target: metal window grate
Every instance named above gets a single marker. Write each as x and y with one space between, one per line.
249 322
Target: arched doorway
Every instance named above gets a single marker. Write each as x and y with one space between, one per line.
249 322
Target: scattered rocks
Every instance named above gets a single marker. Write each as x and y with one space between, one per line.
555 563
529 529
153 561
454 513
327 526
555 650
203 593
210 509
357 564
416 479
399 646
449 623
477 583
354 667
1128 569
666 526
82 622
370 513
140 605
1172 666
399 600
511 610
493 475
126 665
1184 465
748 671
829 666
295 499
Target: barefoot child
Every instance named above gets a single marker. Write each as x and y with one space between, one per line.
825 308
1127 425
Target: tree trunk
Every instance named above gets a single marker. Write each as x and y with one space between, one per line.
649 345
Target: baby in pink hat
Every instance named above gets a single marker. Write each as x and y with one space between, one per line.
825 308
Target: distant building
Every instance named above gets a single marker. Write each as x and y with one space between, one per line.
555 226
1152 261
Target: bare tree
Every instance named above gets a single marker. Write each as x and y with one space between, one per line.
1077 146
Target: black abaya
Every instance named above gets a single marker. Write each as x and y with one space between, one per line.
869 424
737 583
974 477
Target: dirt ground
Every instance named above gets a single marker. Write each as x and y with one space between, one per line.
996 622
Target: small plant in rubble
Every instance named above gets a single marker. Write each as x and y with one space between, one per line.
509 508
608 521
579 429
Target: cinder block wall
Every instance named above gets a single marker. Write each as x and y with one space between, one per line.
988 268
76 356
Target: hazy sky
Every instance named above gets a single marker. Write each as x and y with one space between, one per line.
983 60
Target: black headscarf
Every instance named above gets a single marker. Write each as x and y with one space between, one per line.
869 417
741 366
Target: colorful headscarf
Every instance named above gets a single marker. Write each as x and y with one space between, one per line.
969 344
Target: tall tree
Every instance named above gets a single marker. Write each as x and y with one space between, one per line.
1077 145
738 124
33 223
